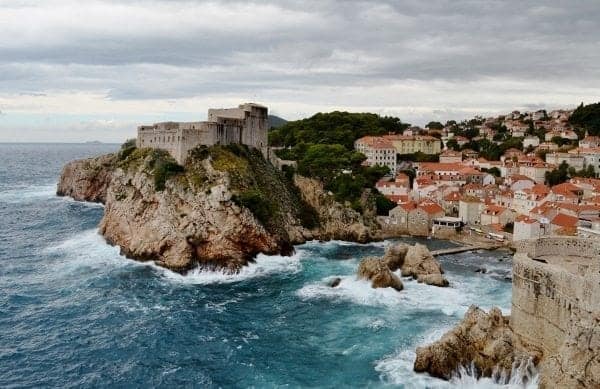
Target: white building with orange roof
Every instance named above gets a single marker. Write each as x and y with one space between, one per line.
526 228
496 214
525 200
378 150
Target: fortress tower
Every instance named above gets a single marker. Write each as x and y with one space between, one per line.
247 124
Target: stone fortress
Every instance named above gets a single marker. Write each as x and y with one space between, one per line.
556 307
247 124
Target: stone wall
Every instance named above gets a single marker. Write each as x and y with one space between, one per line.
549 296
248 124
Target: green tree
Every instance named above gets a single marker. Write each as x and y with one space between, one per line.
586 118
434 125
558 175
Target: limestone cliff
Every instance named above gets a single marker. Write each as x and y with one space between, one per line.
336 220
223 207
88 179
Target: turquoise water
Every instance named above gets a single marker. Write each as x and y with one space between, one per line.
73 312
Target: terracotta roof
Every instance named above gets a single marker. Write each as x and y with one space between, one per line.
494 209
563 220
525 219
408 206
430 207
398 198
519 177
441 166
452 196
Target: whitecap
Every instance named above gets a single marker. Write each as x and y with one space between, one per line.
26 194
89 249
263 265
353 290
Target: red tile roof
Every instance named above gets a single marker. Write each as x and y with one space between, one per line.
563 220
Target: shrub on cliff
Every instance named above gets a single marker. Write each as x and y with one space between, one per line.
257 203
163 167
126 149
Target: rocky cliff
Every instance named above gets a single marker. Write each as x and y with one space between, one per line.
223 207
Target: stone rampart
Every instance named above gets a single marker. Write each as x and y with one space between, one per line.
556 282
247 124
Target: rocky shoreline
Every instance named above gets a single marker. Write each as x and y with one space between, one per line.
218 211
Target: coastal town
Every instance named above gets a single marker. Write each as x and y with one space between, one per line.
543 182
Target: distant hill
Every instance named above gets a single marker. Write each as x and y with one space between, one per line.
276 121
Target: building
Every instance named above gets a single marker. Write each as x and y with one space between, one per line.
397 187
413 218
590 142
450 156
573 160
383 150
526 228
378 150
495 214
248 125
531 141
469 210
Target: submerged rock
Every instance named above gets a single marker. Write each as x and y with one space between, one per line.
484 340
334 282
377 271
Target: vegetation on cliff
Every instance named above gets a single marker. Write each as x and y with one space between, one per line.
586 118
254 183
323 146
336 127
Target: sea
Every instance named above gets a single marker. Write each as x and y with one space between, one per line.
75 313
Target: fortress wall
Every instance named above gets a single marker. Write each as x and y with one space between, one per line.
548 298
248 124
559 246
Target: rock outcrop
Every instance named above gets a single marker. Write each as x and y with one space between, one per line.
422 266
482 339
414 261
336 220
226 205
88 179
377 271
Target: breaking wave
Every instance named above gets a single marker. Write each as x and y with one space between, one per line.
398 369
27 194
89 250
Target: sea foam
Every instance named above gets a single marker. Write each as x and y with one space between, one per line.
27 194
88 249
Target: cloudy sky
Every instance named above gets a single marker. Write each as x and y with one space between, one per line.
73 70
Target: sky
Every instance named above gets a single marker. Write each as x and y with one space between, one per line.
73 70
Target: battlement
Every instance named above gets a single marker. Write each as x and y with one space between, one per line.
247 124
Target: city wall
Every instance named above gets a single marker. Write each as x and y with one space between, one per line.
556 284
